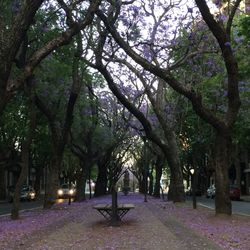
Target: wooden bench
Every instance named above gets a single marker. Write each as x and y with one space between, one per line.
106 210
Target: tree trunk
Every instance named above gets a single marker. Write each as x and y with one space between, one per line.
236 162
141 185
80 187
21 179
81 183
52 181
150 185
37 185
2 183
158 174
25 147
176 188
115 219
222 162
102 180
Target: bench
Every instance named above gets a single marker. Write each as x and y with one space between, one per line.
106 210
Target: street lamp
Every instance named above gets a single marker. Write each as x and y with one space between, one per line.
193 184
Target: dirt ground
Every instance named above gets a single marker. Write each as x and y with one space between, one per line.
149 226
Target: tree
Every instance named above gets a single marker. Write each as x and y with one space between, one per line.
25 150
59 125
169 146
222 125
16 21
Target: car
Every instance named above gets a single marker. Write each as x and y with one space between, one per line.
234 192
27 193
211 192
66 191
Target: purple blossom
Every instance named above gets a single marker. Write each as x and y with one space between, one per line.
210 62
225 93
209 74
45 28
174 42
217 2
15 6
191 36
147 52
190 10
125 21
238 39
222 18
153 119
242 83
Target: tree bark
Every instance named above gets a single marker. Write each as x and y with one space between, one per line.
39 173
176 188
236 163
102 180
115 219
24 158
158 173
222 163
81 178
52 181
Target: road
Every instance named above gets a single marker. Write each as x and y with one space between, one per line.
238 207
5 208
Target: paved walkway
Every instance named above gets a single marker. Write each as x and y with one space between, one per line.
144 228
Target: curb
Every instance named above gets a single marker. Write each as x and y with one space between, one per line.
212 208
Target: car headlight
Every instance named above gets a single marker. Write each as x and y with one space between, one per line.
71 191
60 192
32 195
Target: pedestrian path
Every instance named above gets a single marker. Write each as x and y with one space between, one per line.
81 227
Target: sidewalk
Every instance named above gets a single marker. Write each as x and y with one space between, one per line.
79 226
152 225
245 198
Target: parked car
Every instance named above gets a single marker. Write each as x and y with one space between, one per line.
211 192
66 191
27 193
234 192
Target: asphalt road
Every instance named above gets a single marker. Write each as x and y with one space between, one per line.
239 207
5 207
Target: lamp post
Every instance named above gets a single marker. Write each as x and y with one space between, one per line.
193 182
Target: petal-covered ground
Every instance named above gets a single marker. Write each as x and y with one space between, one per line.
151 225
229 232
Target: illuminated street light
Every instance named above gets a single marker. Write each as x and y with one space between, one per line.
193 182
